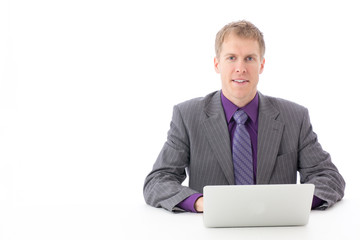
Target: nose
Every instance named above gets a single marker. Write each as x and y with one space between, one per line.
240 67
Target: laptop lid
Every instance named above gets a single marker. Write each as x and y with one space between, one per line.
257 205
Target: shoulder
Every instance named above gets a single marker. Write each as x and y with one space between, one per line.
283 105
199 104
195 111
286 110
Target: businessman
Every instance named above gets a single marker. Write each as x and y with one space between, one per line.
239 136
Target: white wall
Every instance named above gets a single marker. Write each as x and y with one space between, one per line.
87 87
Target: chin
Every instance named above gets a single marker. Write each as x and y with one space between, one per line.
245 96
242 94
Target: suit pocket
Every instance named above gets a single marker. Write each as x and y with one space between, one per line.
285 170
289 156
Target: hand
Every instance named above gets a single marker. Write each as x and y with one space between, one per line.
199 205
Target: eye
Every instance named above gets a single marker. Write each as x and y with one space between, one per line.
249 59
231 58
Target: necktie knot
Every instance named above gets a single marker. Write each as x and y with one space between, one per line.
240 117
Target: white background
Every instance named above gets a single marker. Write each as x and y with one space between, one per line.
87 89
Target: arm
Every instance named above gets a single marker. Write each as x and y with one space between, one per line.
315 166
162 186
194 203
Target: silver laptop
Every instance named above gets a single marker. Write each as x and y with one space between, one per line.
257 205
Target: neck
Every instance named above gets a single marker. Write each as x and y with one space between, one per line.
240 101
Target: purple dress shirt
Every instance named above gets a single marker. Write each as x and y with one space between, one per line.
252 110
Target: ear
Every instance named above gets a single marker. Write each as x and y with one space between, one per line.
262 64
216 65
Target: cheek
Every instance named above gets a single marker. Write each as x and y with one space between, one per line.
228 69
255 70
221 72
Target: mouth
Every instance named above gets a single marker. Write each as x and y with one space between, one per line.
240 80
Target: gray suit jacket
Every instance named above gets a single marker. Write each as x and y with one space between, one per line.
199 142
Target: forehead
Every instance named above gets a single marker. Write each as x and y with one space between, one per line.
239 45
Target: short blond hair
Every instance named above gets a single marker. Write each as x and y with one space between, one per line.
243 29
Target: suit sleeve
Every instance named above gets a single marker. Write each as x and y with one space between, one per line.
316 167
162 187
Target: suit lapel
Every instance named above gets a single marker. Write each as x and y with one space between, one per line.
270 133
217 134
269 137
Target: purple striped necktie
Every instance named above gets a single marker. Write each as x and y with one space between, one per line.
242 152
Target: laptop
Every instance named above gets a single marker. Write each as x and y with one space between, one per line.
257 205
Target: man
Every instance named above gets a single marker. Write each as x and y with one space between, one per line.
239 136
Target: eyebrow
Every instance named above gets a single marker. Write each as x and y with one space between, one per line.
248 55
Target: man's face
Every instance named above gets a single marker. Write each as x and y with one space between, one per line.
239 65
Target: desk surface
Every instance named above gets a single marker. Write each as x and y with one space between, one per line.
139 221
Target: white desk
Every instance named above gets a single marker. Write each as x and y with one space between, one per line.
339 222
139 221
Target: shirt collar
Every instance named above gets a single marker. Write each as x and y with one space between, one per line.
251 108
